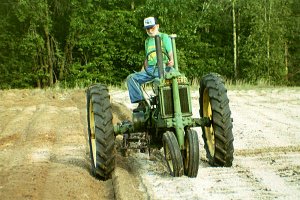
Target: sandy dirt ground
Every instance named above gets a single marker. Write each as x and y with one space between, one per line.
44 152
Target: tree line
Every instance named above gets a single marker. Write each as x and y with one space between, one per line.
71 42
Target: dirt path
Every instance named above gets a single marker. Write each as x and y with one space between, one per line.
44 152
43 147
267 153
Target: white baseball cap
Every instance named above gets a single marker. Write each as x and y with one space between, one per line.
149 22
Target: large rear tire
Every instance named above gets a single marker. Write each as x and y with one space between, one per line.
172 154
191 154
100 131
218 137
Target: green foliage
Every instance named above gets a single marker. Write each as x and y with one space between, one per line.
293 43
112 47
81 42
262 48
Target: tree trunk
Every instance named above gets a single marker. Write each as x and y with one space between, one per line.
68 57
49 52
49 57
234 41
267 21
286 60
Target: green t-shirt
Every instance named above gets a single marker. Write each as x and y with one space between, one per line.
150 46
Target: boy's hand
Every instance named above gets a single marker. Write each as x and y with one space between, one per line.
170 63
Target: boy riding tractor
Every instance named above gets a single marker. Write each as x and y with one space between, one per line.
164 119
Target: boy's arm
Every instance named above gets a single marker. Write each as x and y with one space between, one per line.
145 63
168 47
146 48
171 61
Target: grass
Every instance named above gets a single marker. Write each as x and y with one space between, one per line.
259 85
229 84
195 84
243 85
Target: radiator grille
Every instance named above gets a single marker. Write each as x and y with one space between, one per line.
168 102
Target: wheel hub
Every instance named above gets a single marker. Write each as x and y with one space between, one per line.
93 137
209 131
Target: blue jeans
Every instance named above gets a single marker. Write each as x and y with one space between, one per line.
135 80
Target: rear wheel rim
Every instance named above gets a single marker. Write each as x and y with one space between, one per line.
209 131
93 135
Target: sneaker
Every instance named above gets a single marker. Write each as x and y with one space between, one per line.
140 107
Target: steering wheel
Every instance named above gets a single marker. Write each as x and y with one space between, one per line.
155 67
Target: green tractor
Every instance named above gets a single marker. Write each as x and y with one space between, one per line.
165 122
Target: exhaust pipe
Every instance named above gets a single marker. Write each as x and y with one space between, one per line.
159 56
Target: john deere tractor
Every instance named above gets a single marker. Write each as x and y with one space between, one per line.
167 121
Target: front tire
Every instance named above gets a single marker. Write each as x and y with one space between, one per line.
191 154
100 132
218 137
172 154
